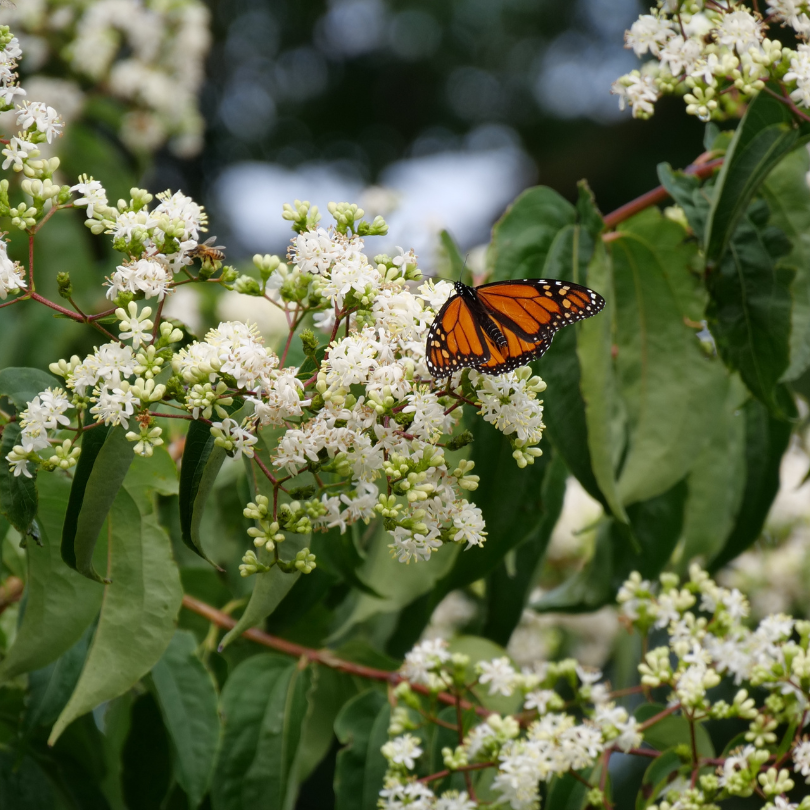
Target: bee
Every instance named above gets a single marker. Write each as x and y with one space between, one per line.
208 251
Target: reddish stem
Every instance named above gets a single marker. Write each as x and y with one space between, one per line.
477 766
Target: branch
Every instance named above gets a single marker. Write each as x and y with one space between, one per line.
657 195
323 657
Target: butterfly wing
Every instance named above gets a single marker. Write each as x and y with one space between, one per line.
536 308
516 353
455 340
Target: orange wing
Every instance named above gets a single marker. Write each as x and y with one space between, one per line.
536 308
455 340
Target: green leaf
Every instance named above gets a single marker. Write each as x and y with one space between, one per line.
187 698
117 724
338 555
362 727
665 379
202 460
21 385
522 238
269 589
604 416
60 603
644 545
24 785
788 198
18 493
482 649
329 693
672 731
103 464
766 439
716 481
660 772
749 313
689 194
263 704
138 615
457 262
508 586
767 132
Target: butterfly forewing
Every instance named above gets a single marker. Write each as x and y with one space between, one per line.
500 326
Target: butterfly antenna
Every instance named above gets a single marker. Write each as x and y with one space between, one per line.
463 267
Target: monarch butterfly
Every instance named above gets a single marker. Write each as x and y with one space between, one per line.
497 327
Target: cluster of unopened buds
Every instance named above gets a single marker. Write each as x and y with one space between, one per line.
567 719
716 55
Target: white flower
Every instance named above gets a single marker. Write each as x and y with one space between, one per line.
17 152
509 402
681 55
539 699
499 674
403 750
134 326
39 115
315 251
180 208
647 33
423 659
429 420
281 399
452 800
640 92
93 195
800 73
801 759
469 525
229 435
148 276
12 275
352 272
114 406
413 795
739 30
409 545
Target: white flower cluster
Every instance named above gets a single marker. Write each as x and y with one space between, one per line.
572 722
148 53
716 55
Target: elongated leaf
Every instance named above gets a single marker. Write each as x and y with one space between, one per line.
339 556
749 313
688 193
508 586
665 379
788 197
269 589
146 766
60 603
656 528
766 134
24 785
362 727
103 464
716 481
21 385
766 439
263 704
522 238
604 415
137 618
18 493
457 262
187 698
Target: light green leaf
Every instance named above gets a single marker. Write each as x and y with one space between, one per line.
187 698
672 731
138 615
60 603
103 464
482 649
263 704
788 197
362 727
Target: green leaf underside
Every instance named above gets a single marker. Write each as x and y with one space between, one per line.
60 603
362 727
188 701
263 705
137 619
105 458
18 493
765 135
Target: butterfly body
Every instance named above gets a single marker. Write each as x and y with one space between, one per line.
498 327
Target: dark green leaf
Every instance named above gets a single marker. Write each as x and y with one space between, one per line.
338 555
766 439
138 615
588 214
457 262
522 238
24 785
656 777
362 727
187 698
766 134
21 385
18 493
689 194
60 603
202 460
103 464
749 313
117 723
508 587
263 705
672 731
